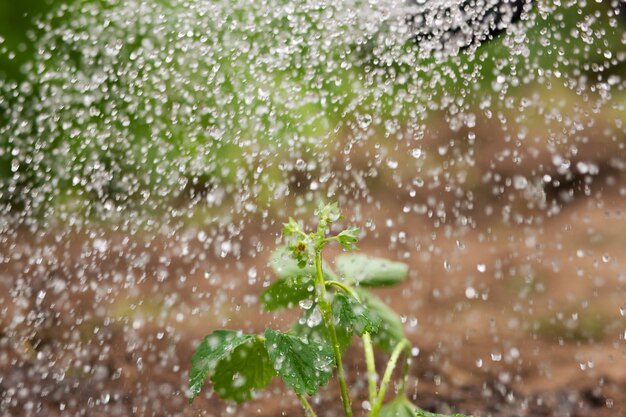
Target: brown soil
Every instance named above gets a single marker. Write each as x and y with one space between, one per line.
540 333
519 297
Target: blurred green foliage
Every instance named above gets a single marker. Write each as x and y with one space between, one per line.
555 44
17 29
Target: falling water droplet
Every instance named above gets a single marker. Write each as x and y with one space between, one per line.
315 318
364 121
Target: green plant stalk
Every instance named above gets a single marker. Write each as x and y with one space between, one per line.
327 315
307 407
405 371
367 346
397 351
342 287
371 366
355 316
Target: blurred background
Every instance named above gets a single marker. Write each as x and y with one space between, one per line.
150 152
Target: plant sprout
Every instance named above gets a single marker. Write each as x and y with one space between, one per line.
336 306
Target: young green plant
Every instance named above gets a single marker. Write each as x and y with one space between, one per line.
335 307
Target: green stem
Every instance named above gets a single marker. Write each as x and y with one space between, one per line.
342 287
371 366
405 370
367 345
327 314
307 407
387 377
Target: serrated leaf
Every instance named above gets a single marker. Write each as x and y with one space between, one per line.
402 407
301 252
328 213
291 228
314 329
422 413
285 265
399 407
390 331
348 312
288 292
213 348
371 272
303 365
348 238
247 369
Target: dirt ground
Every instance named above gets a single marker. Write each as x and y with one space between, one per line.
523 321
516 297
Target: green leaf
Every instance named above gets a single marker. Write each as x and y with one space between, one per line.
422 413
285 265
328 213
247 369
390 331
314 329
287 292
348 238
213 348
348 312
292 228
371 272
402 407
304 365
399 407
301 253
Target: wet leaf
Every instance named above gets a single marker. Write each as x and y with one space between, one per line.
328 213
390 331
303 365
315 330
291 228
399 407
402 407
287 292
285 265
371 272
247 369
351 314
422 413
348 238
213 348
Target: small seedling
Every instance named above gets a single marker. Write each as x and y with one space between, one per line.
335 307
